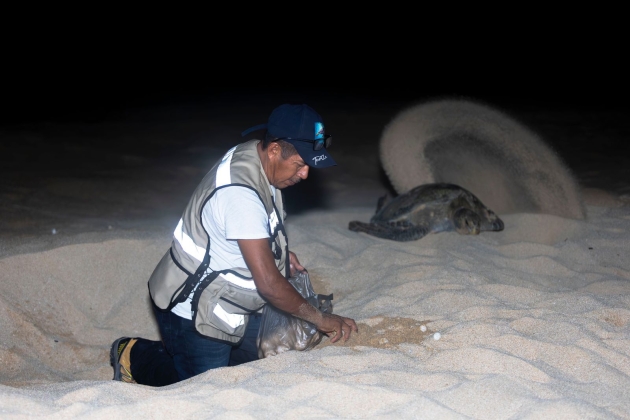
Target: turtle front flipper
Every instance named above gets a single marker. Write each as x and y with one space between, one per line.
402 232
467 222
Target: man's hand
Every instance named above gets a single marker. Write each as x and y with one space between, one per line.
336 327
294 264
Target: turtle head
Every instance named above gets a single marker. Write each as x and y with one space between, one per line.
490 221
467 222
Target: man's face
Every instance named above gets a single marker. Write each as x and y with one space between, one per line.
285 172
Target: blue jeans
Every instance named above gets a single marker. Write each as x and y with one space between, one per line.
184 353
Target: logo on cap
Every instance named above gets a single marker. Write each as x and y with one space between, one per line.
319 159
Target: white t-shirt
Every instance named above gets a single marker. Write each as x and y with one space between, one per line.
232 213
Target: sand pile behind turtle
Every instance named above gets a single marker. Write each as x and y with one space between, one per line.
509 167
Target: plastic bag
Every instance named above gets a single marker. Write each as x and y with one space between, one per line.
280 331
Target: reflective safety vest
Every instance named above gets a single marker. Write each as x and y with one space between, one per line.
222 300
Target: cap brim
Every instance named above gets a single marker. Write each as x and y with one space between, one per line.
313 158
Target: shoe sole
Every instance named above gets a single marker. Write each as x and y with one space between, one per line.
113 358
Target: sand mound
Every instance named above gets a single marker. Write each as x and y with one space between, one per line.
526 323
504 163
60 309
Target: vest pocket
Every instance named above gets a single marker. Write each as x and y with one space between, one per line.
225 307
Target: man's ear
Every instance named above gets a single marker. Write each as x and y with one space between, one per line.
274 150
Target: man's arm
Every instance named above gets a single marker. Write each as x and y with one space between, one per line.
280 293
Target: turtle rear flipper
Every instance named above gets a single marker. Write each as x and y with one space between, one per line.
398 232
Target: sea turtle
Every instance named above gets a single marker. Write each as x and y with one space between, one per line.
429 208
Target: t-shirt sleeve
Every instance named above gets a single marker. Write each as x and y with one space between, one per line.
240 214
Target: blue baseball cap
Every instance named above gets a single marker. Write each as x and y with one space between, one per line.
303 127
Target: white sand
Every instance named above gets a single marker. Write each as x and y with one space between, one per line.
534 321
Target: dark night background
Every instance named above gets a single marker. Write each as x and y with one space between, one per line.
94 102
